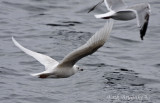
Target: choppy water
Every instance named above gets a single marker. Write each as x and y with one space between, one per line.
126 69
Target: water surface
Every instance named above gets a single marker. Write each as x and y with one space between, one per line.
124 70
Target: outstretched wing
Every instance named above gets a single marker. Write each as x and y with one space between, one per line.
143 13
114 5
43 59
95 42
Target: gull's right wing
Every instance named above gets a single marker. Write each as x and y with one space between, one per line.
92 45
143 13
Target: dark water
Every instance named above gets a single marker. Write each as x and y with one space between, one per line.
125 70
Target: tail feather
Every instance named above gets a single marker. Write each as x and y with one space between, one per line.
40 75
105 16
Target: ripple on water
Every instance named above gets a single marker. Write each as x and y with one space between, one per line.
127 83
39 99
25 6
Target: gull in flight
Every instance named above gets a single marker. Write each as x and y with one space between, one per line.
67 67
118 10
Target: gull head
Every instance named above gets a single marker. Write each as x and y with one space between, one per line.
149 7
77 68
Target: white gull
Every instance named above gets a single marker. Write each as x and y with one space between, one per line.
67 67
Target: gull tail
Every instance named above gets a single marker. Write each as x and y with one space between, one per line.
105 16
41 74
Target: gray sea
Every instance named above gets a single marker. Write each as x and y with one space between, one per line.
125 70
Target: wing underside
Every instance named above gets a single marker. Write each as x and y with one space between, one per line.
43 59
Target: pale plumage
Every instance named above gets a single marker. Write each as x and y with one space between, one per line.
67 66
118 10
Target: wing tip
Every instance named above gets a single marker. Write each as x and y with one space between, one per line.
97 16
13 38
14 41
95 6
142 38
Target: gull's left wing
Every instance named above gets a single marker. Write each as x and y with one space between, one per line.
43 59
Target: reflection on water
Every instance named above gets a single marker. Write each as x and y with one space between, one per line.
125 66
